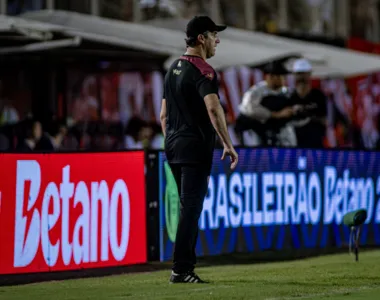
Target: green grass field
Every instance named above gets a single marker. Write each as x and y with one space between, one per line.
333 277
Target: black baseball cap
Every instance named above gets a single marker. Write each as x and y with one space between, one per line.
200 24
276 68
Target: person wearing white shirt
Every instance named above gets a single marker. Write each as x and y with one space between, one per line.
264 111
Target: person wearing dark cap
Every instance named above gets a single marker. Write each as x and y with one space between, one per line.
190 114
266 109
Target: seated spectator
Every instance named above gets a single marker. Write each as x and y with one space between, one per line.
8 114
138 134
4 142
52 140
32 134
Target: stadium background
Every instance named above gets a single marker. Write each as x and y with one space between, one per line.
98 89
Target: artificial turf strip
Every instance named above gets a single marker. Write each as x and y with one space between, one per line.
332 277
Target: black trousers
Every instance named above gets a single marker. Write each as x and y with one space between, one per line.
192 183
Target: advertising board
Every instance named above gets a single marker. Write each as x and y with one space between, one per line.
278 199
71 211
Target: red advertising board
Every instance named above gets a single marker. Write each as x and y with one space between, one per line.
71 211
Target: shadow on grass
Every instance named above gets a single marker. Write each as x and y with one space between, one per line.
230 259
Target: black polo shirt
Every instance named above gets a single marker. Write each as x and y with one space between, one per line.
190 136
311 133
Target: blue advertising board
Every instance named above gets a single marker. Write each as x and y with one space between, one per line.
278 199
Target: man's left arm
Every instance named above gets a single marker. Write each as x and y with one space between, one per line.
163 116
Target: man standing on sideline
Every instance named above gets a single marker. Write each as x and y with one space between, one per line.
311 106
190 114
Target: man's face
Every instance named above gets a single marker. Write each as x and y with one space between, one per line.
302 78
210 43
63 131
37 131
146 133
276 81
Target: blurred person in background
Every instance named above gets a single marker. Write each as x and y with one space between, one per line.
8 114
32 134
299 15
267 16
266 109
4 142
362 16
52 139
138 134
102 140
71 142
311 107
233 13
86 104
152 9
195 7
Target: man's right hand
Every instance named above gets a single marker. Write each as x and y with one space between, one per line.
230 151
286 112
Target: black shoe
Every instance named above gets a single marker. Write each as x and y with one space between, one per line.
189 277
